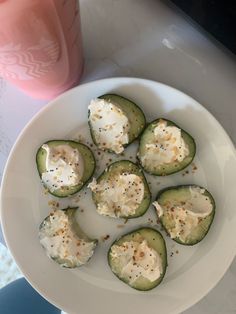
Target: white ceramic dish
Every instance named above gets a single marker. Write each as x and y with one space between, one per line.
192 271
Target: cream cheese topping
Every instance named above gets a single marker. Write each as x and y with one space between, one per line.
138 260
168 146
186 215
109 124
59 240
120 195
64 166
159 209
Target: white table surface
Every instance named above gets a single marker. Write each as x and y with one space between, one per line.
148 39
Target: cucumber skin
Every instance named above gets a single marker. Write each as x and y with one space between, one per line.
125 145
213 211
165 256
84 183
175 171
145 185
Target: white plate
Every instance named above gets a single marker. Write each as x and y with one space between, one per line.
192 272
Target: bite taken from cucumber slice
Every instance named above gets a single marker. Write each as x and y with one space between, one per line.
63 239
165 148
121 191
114 122
139 258
64 166
186 212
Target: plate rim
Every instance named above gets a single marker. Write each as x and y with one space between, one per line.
198 296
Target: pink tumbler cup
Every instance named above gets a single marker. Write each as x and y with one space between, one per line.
40 45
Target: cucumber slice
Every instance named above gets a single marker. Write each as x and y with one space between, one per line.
132 111
63 239
173 198
118 168
88 161
164 169
155 241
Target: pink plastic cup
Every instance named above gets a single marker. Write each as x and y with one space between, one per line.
40 45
